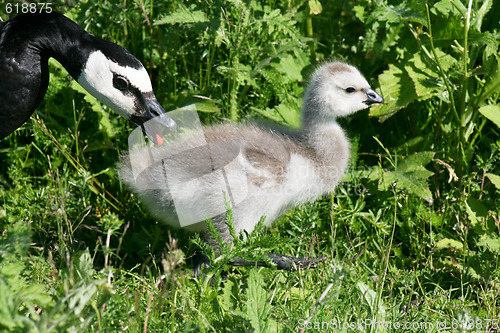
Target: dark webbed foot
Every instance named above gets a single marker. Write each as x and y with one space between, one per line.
282 262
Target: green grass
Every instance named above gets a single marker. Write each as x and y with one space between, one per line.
412 235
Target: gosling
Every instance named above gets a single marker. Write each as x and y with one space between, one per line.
267 170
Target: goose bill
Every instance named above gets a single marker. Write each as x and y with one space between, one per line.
153 121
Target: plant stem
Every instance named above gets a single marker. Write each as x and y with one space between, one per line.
309 33
233 92
465 80
440 68
461 159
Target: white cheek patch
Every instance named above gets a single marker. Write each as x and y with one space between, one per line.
138 78
97 79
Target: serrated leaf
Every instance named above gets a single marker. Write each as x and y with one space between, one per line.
291 66
481 13
492 242
398 90
494 179
423 86
258 306
388 178
492 112
359 12
80 297
412 11
184 15
287 112
228 302
35 293
424 77
415 184
409 81
410 174
443 6
485 39
416 161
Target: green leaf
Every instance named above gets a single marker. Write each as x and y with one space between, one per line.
492 242
416 161
227 299
424 75
494 179
398 90
207 106
287 112
486 39
370 296
36 294
258 306
409 81
412 11
412 175
448 243
492 112
81 296
481 13
184 15
292 66
436 220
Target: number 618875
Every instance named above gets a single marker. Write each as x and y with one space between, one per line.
23 8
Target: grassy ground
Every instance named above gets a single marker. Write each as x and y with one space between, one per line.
411 235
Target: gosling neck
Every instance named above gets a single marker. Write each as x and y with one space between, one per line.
315 114
324 135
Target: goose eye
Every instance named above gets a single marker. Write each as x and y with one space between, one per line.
350 90
120 83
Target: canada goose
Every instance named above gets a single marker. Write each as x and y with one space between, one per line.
106 70
268 170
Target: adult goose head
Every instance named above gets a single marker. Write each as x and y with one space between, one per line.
263 171
106 70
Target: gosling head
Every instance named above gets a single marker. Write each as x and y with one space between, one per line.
336 90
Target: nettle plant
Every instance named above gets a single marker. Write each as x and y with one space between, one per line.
245 52
447 72
444 87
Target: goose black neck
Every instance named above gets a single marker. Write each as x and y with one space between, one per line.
44 35
26 43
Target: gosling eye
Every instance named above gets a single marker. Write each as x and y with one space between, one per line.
120 83
350 90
